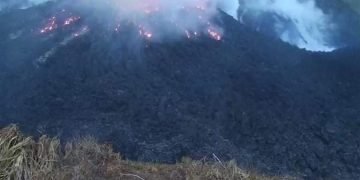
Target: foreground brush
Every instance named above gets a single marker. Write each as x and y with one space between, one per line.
23 158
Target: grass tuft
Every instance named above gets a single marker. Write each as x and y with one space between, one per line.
23 158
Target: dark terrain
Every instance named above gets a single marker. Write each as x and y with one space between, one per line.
250 97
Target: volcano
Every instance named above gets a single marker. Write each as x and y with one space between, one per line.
224 89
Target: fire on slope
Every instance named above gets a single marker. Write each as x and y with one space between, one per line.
151 24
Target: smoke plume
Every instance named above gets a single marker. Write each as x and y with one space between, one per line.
299 22
158 19
155 19
19 4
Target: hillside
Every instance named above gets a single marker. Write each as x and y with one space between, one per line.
270 106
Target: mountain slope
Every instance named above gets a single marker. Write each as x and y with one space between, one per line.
247 97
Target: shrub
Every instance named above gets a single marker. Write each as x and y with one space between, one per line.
23 158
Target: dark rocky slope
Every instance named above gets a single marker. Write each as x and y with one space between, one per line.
251 98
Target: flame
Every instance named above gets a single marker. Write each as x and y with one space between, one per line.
53 24
50 26
214 34
146 30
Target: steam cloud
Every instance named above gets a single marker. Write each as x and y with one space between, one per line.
299 22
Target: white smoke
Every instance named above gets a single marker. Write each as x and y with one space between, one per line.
310 27
166 18
170 7
229 6
160 19
20 4
313 26
37 2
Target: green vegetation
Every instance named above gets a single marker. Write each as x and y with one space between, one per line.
23 158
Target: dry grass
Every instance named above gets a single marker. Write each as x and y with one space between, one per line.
22 158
